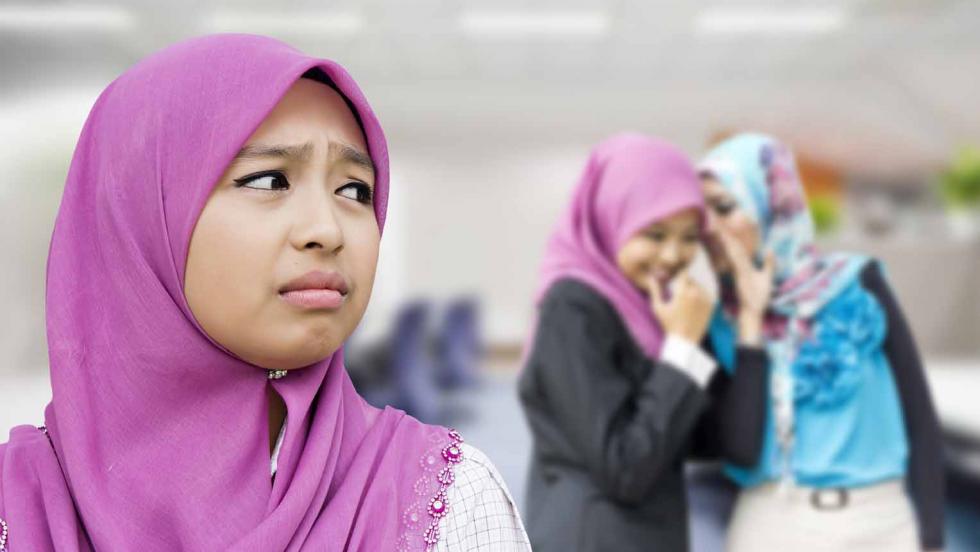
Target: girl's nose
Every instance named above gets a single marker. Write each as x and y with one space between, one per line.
316 225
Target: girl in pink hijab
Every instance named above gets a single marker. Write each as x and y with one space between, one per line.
215 246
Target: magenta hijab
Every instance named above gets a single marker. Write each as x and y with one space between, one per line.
629 182
157 438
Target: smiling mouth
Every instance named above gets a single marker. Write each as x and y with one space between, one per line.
661 275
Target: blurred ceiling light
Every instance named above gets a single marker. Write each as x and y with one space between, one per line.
286 22
730 20
534 24
59 17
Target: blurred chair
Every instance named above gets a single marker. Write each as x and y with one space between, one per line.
401 369
412 368
367 363
458 345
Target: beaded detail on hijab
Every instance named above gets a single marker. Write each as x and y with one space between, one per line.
3 535
276 374
431 489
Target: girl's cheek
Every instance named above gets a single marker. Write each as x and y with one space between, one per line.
744 230
689 252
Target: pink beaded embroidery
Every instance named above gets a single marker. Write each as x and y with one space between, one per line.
433 504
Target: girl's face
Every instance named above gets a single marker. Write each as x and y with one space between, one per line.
283 257
661 249
724 214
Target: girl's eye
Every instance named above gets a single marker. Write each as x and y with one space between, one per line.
723 209
358 191
273 181
692 238
657 236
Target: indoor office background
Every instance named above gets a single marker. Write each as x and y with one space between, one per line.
491 108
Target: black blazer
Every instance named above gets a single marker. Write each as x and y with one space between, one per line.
612 429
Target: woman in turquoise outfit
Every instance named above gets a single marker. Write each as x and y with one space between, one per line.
851 456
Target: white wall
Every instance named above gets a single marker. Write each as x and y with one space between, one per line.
473 200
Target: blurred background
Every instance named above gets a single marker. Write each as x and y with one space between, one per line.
491 108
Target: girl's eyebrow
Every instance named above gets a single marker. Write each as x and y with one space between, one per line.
302 152
352 154
252 151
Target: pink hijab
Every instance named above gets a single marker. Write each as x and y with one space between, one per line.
629 182
157 438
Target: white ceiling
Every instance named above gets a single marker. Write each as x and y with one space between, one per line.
894 90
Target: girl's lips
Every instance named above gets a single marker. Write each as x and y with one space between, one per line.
314 298
316 290
662 276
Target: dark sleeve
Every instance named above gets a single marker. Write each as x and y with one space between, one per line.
732 428
925 479
626 434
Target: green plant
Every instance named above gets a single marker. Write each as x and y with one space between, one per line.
825 211
959 184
